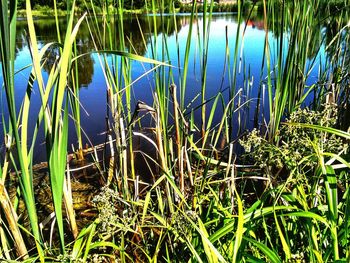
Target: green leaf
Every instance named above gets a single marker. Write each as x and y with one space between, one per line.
125 55
248 217
340 133
240 230
269 253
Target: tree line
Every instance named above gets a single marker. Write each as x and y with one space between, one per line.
63 4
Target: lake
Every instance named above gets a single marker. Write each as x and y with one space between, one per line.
145 34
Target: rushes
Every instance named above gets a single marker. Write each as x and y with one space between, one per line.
287 81
8 36
57 124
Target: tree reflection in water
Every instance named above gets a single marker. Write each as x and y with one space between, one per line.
137 30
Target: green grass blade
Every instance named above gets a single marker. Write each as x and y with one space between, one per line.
337 132
240 229
269 253
211 256
253 215
332 202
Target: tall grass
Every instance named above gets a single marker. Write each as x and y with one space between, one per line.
288 202
294 42
8 44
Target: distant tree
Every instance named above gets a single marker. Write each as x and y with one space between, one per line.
133 4
62 4
42 2
21 4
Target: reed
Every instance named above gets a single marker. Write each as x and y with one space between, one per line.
287 83
8 37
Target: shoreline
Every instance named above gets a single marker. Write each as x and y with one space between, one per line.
183 8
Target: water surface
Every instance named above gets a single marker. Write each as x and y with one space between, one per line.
143 35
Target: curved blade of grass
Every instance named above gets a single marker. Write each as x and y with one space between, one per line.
337 132
248 217
272 255
79 244
103 244
335 157
126 55
283 238
308 214
145 207
206 241
64 65
332 202
240 229
211 116
57 146
211 256
89 239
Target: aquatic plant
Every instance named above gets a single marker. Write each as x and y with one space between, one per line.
296 143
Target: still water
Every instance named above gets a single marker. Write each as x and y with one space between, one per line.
142 36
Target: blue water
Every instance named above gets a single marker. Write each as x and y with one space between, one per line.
93 87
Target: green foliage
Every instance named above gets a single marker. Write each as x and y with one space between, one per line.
296 145
113 212
315 182
133 4
217 7
44 9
